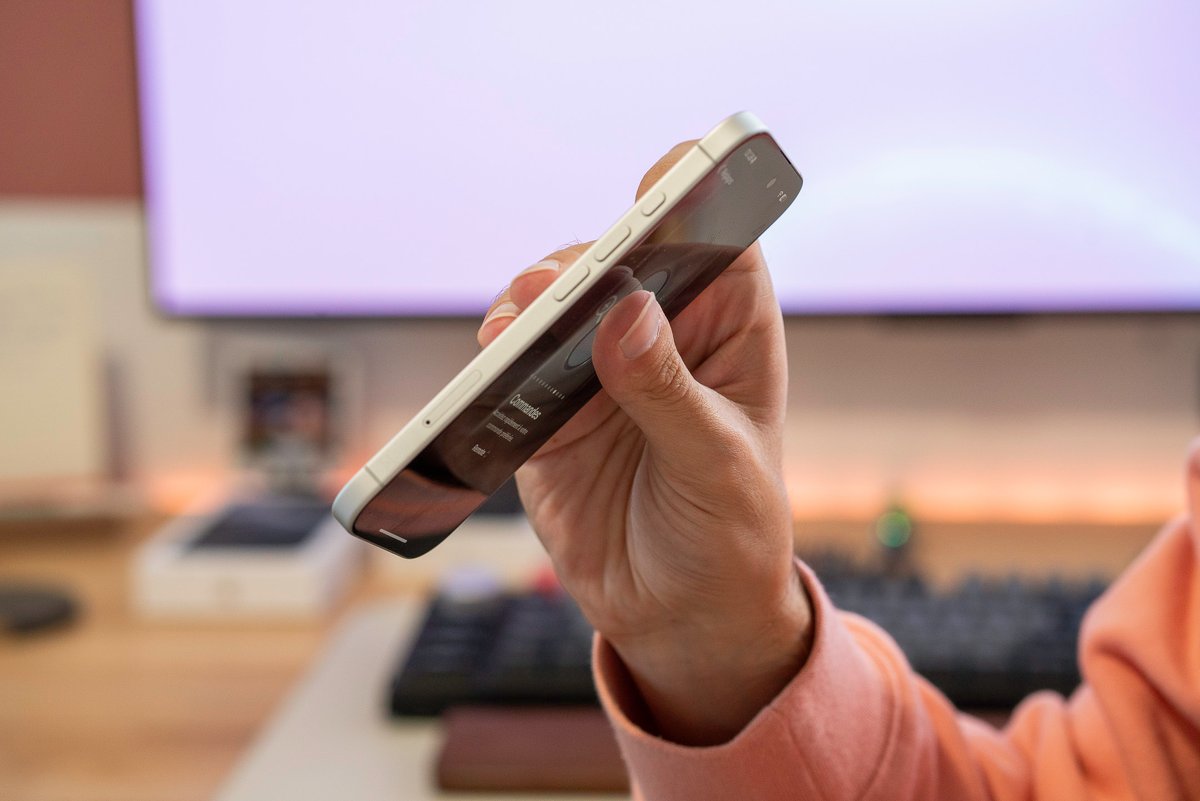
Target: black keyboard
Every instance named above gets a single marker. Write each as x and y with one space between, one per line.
986 644
523 649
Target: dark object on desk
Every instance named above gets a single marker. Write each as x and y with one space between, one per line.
33 608
527 649
272 522
530 750
986 643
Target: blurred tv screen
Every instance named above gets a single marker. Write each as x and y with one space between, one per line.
382 158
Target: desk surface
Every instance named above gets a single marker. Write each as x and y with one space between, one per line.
120 709
331 738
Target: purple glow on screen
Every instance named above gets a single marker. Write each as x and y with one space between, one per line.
408 158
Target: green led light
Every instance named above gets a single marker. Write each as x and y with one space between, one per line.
893 529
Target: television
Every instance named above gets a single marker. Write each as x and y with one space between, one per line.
379 159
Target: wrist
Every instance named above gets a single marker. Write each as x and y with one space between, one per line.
703 680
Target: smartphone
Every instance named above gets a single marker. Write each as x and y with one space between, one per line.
495 414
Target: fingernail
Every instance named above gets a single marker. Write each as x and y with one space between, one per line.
644 331
546 265
505 309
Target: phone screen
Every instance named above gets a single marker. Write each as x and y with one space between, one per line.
520 410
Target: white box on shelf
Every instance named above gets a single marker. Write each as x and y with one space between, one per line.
172 578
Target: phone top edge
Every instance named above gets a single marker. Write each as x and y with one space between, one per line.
491 361
731 132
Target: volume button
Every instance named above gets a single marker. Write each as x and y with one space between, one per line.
606 246
452 397
651 203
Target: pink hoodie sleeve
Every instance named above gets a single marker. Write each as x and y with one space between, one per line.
857 724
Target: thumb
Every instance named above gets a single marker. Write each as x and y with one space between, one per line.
636 360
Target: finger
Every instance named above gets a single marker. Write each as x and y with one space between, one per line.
497 320
637 362
533 284
533 281
663 164
524 289
502 297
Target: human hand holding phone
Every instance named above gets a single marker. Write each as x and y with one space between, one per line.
662 504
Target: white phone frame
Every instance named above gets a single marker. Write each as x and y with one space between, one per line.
534 321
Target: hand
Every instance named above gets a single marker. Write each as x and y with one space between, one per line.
662 504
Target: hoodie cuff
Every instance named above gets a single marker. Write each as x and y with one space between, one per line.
833 718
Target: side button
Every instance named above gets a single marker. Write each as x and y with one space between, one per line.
568 281
452 397
652 202
606 246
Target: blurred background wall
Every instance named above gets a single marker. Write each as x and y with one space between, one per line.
1024 418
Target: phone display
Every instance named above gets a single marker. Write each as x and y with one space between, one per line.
517 412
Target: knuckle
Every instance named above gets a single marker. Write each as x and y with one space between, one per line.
672 384
665 163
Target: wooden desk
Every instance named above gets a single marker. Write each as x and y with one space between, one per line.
119 709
